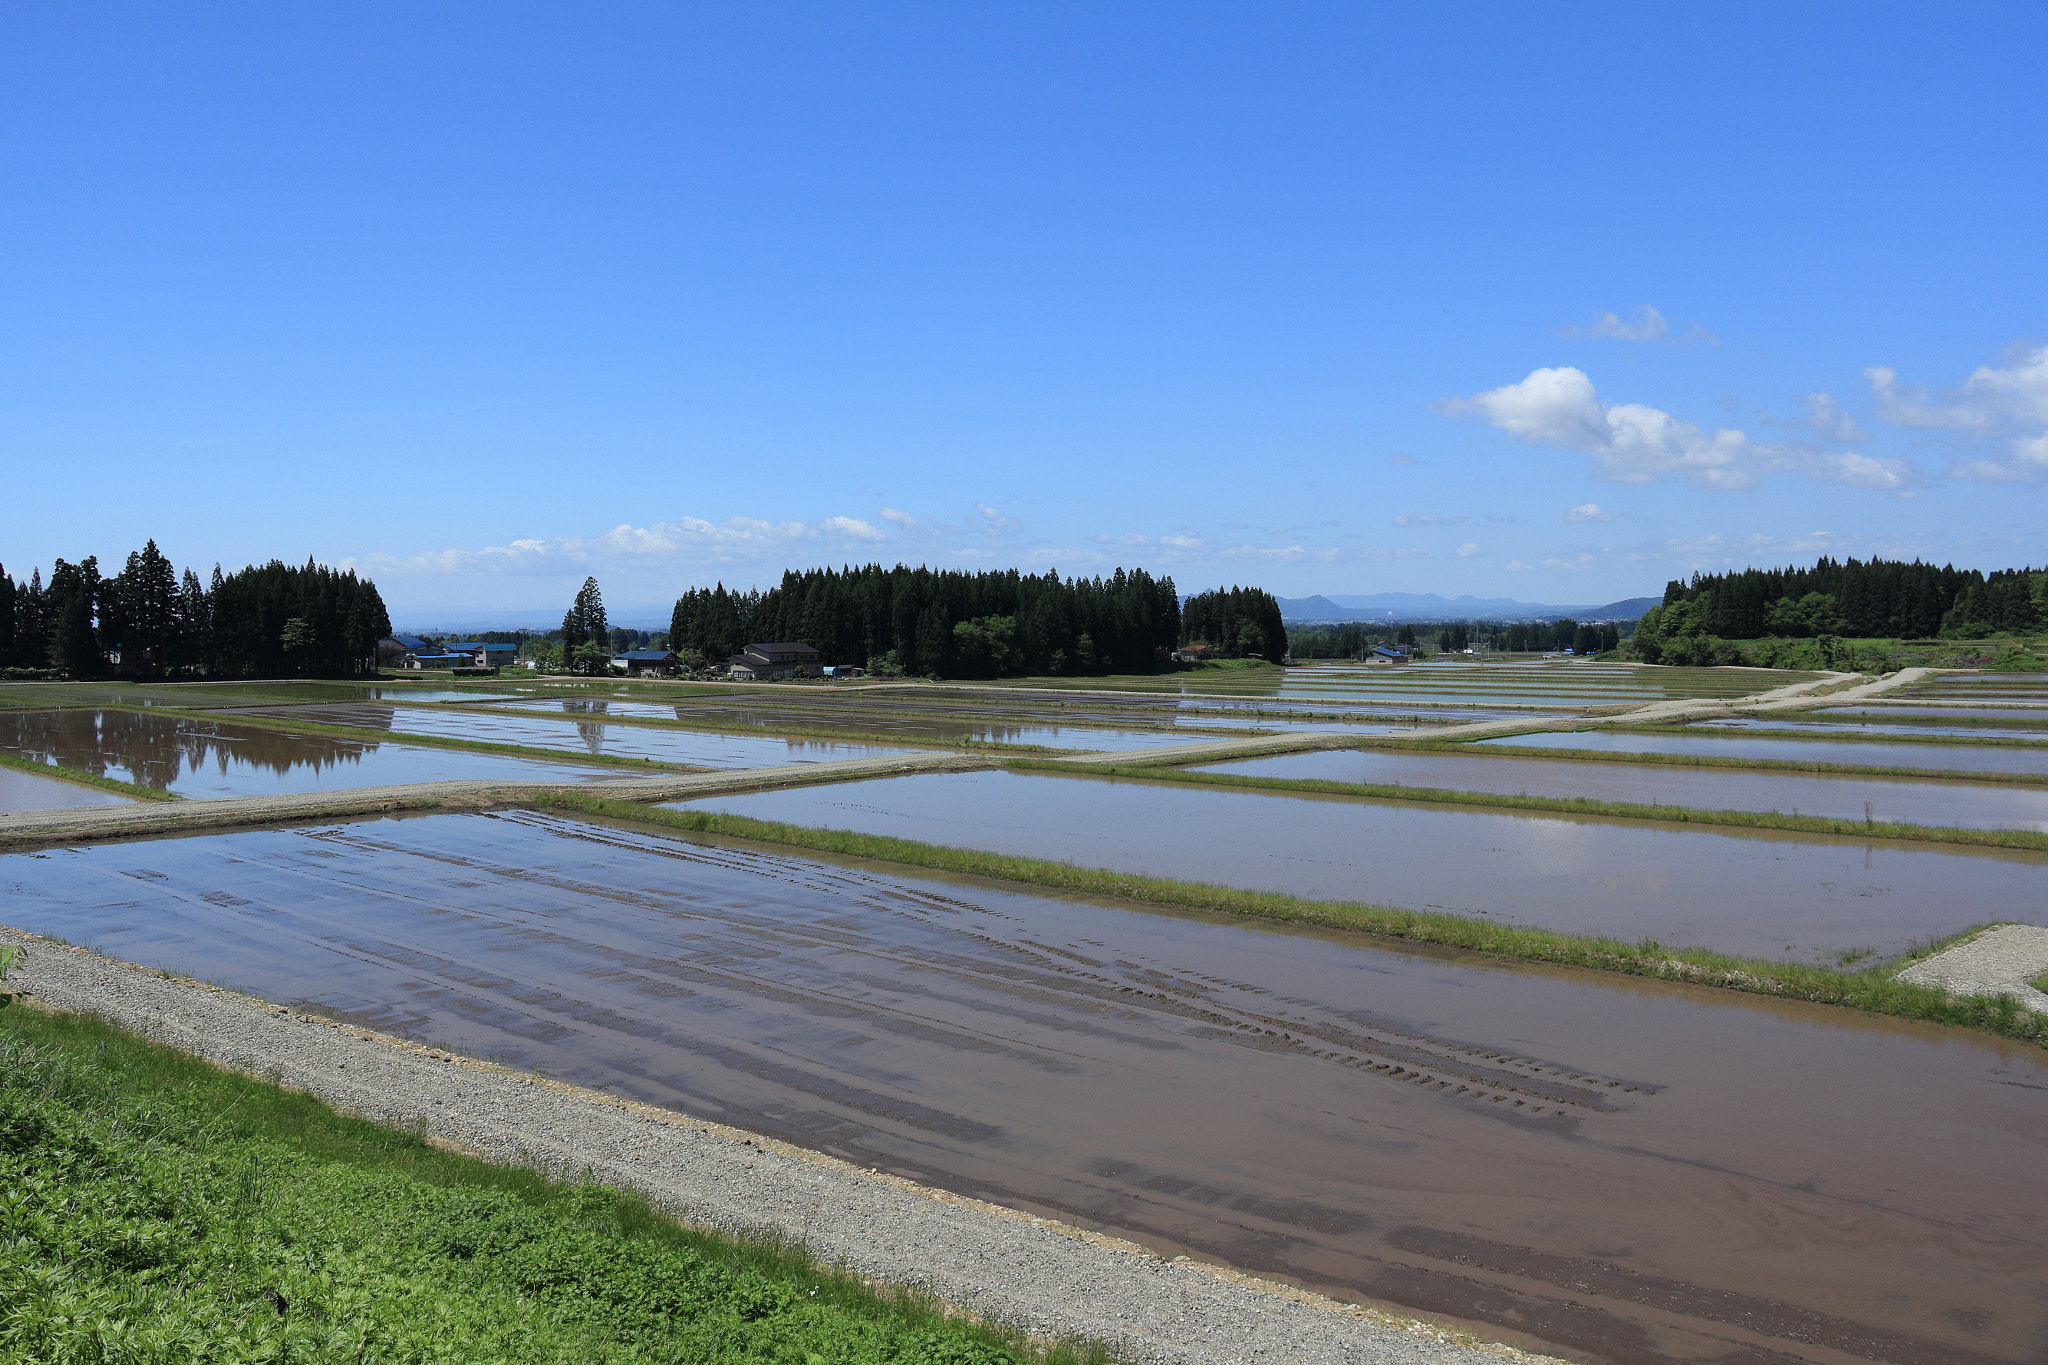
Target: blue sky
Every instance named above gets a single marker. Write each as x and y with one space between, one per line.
1553 302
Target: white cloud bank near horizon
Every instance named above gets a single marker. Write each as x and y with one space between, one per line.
2008 403
1635 443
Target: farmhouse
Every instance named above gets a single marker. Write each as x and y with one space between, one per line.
645 663
783 659
1387 654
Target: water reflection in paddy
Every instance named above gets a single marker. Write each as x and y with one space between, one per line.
1755 893
209 758
702 749
933 729
1963 804
28 791
1508 1145
1930 757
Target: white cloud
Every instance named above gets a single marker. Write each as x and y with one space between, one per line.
1517 566
1419 519
902 519
689 541
1467 550
1403 459
1634 443
852 527
997 522
1649 326
1991 402
1587 512
1828 420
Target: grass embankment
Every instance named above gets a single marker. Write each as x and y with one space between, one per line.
84 779
1762 765
156 1208
1567 805
482 746
1874 990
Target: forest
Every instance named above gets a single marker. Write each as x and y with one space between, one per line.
1351 640
946 623
150 621
1878 599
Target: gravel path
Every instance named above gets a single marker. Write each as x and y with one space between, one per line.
1997 962
1049 1278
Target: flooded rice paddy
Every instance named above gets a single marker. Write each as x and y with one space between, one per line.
28 791
1822 727
1558 684
935 717
1875 754
1620 1170
697 749
1755 893
210 758
1961 804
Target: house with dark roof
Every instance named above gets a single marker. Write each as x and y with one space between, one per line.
1387 654
645 663
780 659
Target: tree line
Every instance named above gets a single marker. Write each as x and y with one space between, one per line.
950 623
1352 640
148 620
1877 599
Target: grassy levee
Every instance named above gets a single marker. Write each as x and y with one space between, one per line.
481 746
1762 765
84 779
1569 805
154 1207
1874 990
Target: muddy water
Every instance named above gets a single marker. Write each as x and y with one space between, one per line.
1931 757
695 748
208 758
1964 804
1752 892
1632 1172
27 791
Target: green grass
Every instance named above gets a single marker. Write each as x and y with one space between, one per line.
1570 805
1873 990
1766 765
2040 983
84 779
154 1208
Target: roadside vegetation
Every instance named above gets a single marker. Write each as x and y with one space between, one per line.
155 1208
1874 990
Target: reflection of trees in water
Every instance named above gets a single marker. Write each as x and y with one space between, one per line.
593 735
153 750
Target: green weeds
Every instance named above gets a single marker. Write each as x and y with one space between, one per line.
154 1208
84 779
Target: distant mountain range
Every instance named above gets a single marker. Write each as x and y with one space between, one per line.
1428 606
